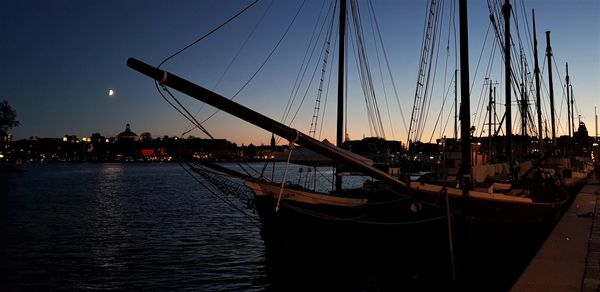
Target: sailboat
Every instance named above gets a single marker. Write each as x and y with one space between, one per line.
385 206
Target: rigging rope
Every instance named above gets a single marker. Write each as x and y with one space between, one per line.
264 62
237 54
304 64
315 117
328 86
190 117
312 78
417 120
475 74
260 67
208 33
429 88
387 106
517 67
187 114
223 199
365 75
385 56
446 92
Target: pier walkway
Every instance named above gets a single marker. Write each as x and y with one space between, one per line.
569 260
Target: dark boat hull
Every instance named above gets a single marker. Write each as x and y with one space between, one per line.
351 242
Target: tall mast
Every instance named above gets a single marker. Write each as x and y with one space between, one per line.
572 108
340 103
495 111
549 55
524 106
536 71
465 110
506 8
490 106
569 104
455 104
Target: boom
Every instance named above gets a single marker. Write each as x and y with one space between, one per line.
259 120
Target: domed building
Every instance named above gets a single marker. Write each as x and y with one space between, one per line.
127 135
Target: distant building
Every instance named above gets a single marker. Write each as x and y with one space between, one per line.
146 136
124 147
127 135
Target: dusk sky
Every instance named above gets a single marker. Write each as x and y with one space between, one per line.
59 59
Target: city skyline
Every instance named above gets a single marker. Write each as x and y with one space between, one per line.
64 66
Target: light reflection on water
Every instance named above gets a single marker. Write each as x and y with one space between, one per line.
122 226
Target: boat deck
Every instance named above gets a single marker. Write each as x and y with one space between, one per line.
569 259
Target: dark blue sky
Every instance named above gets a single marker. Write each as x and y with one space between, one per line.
58 59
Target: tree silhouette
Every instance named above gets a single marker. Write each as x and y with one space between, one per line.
7 118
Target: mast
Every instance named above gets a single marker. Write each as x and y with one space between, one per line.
465 110
569 104
572 108
524 106
495 116
550 84
455 104
506 8
523 103
596 115
491 104
536 71
340 103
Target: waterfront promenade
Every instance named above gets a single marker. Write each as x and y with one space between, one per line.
569 260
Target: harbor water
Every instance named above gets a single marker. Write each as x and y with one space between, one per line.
139 226
88 226
122 226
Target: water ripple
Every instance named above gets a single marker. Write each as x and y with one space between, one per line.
122 226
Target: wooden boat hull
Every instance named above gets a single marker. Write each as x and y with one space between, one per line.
411 235
369 209
372 213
